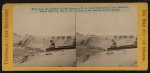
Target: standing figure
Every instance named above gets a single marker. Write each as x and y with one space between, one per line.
135 42
74 43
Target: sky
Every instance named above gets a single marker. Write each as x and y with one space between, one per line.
42 24
54 24
108 23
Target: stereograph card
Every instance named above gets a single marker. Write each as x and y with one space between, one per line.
74 36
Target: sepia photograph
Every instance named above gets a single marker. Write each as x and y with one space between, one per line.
74 36
107 39
75 39
43 39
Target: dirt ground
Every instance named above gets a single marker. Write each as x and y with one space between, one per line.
62 58
93 51
90 51
119 58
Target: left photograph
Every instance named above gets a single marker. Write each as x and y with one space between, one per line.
43 39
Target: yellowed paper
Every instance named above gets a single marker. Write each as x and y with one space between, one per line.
74 36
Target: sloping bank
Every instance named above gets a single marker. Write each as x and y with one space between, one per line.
88 46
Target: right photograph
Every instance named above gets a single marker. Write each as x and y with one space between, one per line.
107 39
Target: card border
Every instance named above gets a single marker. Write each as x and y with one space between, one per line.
142 64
